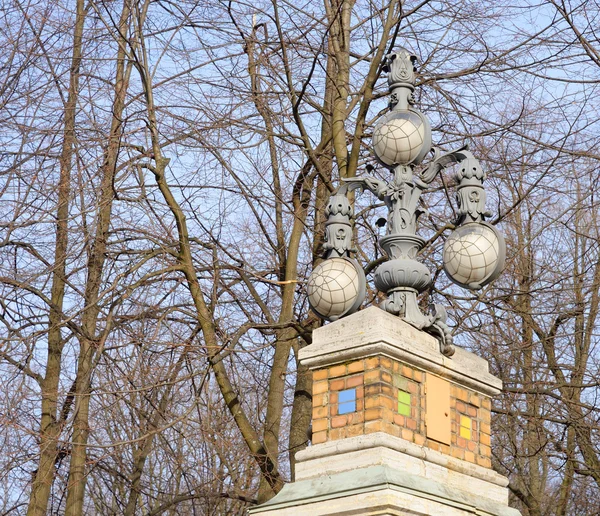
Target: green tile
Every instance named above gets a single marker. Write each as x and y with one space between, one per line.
404 397
404 403
403 410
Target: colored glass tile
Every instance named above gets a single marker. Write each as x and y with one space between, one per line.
404 403
347 401
465 427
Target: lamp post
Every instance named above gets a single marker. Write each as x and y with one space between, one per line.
473 253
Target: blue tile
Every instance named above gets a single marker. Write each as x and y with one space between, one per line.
346 408
347 395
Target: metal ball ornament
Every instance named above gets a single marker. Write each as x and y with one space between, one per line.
336 288
474 255
401 138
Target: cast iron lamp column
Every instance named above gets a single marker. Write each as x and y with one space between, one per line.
473 254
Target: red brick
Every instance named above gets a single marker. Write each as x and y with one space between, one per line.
357 417
483 461
387 414
418 376
356 367
373 388
319 400
407 371
319 374
337 385
459 453
354 381
387 390
319 412
355 430
319 425
411 423
373 426
319 437
338 421
399 420
470 457
471 446
433 445
339 370
372 376
320 387
391 428
407 434
461 442
372 401
419 439
462 394
385 362
388 402
373 413
371 362
486 403
337 433
471 411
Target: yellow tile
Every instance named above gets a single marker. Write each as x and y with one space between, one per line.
465 422
465 433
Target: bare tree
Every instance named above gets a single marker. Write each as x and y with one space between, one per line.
165 169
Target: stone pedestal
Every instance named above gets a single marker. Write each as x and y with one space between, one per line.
398 428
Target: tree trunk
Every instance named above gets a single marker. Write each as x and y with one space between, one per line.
50 428
95 267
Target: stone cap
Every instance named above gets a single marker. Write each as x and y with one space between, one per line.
329 451
298 497
375 332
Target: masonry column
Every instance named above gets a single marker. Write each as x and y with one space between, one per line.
398 428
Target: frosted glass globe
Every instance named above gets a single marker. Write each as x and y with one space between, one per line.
335 287
399 138
473 255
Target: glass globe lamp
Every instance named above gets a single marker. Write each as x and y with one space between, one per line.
336 288
474 255
401 138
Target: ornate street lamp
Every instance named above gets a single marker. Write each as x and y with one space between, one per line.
473 253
